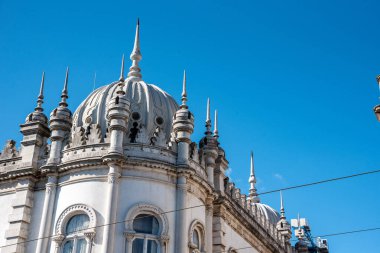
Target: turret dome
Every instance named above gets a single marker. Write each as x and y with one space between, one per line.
152 111
268 212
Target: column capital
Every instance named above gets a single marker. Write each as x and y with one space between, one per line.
58 239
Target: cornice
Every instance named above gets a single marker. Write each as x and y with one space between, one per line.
245 225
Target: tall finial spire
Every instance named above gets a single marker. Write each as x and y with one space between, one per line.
64 95
136 56
184 93
216 131
121 79
252 182
208 120
282 209
40 99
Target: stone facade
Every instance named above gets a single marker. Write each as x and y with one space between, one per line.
125 152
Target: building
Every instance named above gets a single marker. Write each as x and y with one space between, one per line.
122 174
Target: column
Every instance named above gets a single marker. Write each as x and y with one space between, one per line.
209 219
181 231
111 204
47 212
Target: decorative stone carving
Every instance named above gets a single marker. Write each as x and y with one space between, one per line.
155 136
94 134
196 224
107 136
9 150
72 211
79 137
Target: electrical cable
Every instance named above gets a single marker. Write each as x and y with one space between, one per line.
321 182
267 192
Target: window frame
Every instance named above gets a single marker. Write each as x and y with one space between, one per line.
197 226
161 238
60 237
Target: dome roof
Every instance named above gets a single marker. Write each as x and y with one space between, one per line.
152 111
269 213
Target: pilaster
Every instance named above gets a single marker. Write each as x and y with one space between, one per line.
20 218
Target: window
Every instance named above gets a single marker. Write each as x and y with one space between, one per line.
196 237
146 229
75 241
146 238
75 229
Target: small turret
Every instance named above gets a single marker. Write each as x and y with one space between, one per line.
183 127
35 131
118 114
209 144
220 162
60 124
253 196
283 225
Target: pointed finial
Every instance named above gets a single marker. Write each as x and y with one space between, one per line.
216 131
136 56
40 99
208 120
252 175
64 95
184 93
121 79
282 209
252 182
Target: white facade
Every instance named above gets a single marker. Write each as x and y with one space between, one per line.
122 174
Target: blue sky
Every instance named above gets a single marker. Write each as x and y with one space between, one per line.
294 81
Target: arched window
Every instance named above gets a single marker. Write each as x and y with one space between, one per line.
196 237
75 229
146 229
146 238
75 241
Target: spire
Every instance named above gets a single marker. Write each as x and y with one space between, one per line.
64 94
208 120
216 131
184 93
121 79
252 179
120 91
252 182
40 99
282 209
136 56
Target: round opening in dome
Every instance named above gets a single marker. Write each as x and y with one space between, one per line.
135 116
159 120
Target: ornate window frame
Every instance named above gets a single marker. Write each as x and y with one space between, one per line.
149 209
200 228
64 218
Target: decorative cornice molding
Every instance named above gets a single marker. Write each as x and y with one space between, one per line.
245 225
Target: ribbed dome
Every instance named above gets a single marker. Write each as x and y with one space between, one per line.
270 214
151 108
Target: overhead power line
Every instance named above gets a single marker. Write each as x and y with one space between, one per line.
321 182
272 191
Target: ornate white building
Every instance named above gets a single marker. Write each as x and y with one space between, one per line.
122 174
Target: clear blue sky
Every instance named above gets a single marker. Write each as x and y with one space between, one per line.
294 81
